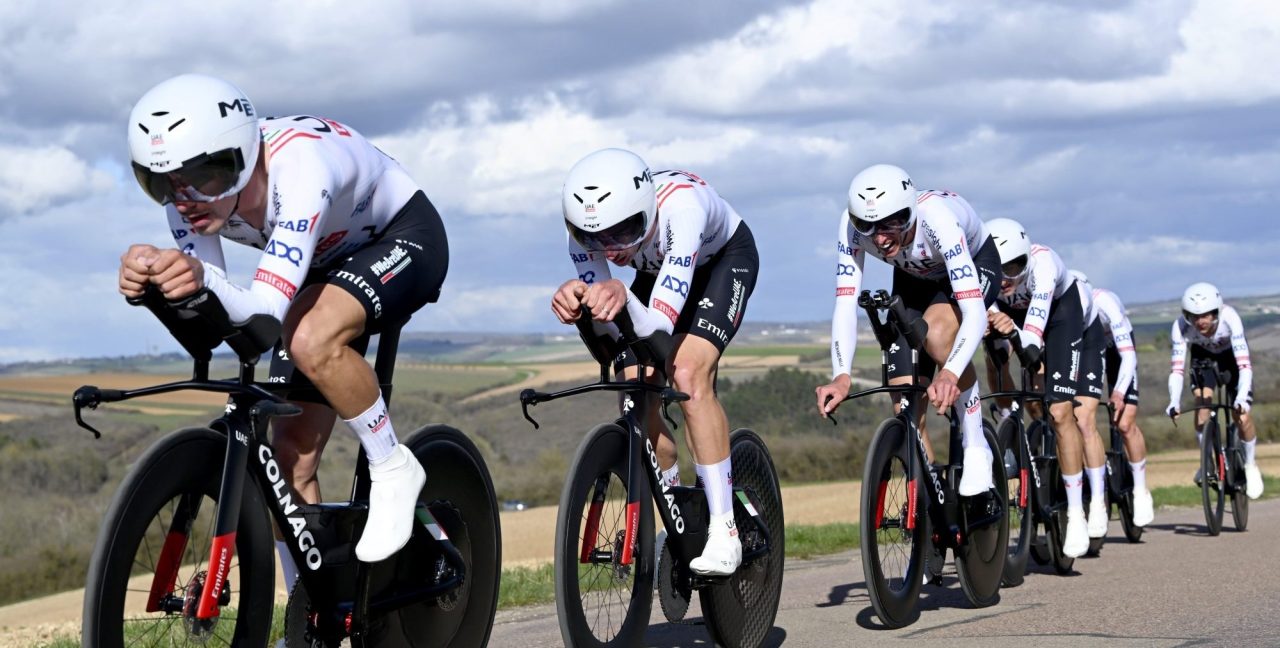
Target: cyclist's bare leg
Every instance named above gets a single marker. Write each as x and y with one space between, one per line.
1245 422
1134 443
299 441
320 324
693 372
1203 398
944 325
1095 454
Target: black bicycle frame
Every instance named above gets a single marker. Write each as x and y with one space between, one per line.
686 536
1219 403
310 527
941 509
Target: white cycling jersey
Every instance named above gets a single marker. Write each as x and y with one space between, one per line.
947 233
1046 279
1229 334
1119 335
330 192
693 223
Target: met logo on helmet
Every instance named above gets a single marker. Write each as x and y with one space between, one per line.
239 105
643 177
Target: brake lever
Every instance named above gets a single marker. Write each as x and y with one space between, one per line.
528 397
91 397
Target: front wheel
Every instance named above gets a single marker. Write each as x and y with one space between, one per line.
741 610
1212 490
981 558
604 589
892 529
150 563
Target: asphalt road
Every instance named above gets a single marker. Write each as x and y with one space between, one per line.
1178 587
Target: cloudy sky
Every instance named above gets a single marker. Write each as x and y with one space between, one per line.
1139 139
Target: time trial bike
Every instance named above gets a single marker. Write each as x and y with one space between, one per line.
185 555
604 561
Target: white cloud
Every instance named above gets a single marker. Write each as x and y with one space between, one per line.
35 178
492 308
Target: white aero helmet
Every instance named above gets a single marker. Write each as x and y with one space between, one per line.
1201 298
609 200
1012 244
193 138
882 198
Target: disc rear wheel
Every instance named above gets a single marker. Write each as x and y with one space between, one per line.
980 560
740 611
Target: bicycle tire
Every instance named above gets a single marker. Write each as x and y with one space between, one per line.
1052 495
1212 489
1122 476
885 499
1239 501
602 454
1020 501
186 462
459 492
980 560
740 611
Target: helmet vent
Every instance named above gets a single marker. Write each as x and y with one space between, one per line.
578 197
175 124
601 198
591 188
162 113
144 129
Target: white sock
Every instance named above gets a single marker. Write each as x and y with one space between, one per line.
1199 439
1250 450
1075 491
374 429
717 480
969 408
1096 485
1139 475
671 476
287 565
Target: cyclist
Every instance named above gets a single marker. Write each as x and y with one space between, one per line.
945 268
1213 331
1121 364
349 243
696 265
1040 299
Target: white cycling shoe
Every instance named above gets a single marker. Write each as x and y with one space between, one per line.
1143 508
1098 517
1076 540
393 495
976 478
723 552
1252 481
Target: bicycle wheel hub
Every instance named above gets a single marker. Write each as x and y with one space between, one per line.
201 629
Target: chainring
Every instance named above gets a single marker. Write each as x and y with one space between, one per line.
673 596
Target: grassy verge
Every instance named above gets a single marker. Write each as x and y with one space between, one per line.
1189 494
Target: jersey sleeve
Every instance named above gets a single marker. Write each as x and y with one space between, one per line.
844 321
685 227
1240 348
592 267
1122 336
1178 346
1044 276
208 249
300 191
943 231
